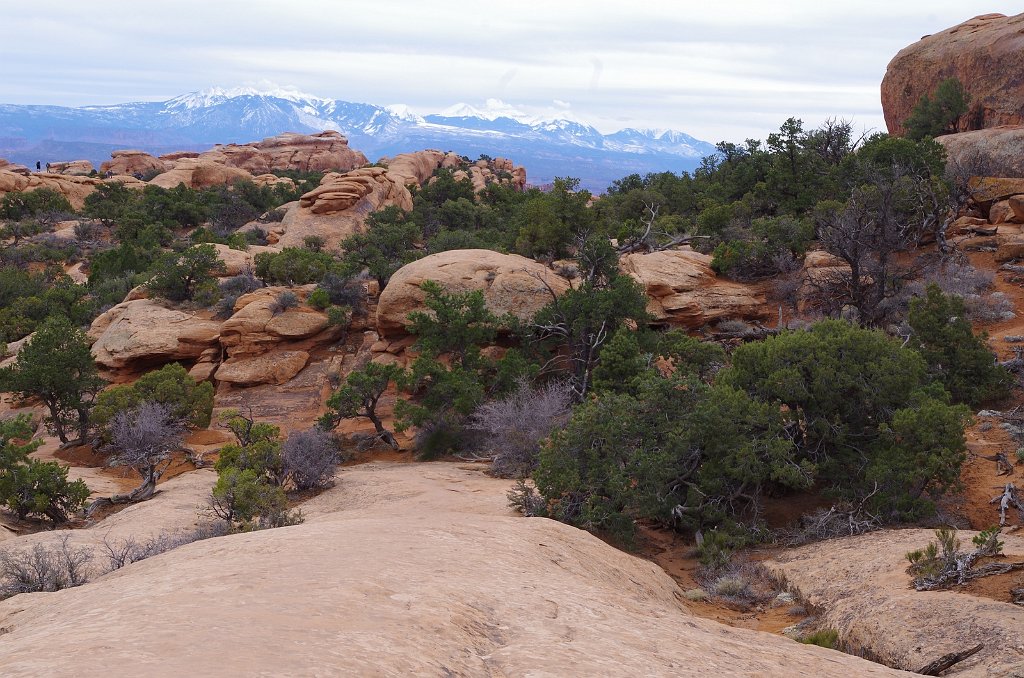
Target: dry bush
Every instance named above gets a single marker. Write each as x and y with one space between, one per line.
840 520
961 279
285 300
128 550
143 438
310 458
515 426
44 568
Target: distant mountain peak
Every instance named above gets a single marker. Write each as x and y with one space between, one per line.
213 96
550 141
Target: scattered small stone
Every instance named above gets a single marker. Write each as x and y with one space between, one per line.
785 598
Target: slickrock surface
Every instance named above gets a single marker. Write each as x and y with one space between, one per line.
401 570
863 590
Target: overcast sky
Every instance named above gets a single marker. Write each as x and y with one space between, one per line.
717 70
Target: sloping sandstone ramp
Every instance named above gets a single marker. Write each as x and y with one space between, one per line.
390 583
862 588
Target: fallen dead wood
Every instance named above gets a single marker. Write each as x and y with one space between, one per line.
946 661
1008 498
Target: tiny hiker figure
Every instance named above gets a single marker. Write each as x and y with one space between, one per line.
38 166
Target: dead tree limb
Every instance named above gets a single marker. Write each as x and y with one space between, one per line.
1007 499
946 661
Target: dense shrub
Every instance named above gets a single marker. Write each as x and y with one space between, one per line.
292 266
956 357
188 276
862 410
17 206
171 385
32 487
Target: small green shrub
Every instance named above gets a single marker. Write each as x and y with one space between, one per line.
824 638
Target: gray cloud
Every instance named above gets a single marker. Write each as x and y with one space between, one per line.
716 70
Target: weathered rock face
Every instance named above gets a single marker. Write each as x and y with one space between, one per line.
1001 149
985 191
141 333
510 283
863 590
289 151
133 162
255 329
985 53
370 590
71 168
339 206
199 173
684 291
275 367
415 168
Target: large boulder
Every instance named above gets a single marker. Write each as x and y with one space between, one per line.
366 587
200 173
985 53
132 162
510 283
290 151
339 206
143 333
683 290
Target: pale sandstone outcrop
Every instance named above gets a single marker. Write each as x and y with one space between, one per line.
510 284
199 173
132 161
72 167
289 151
414 168
684 291
74 188
985 53
254 328
366 586
339 206
862 589
274 367
143 333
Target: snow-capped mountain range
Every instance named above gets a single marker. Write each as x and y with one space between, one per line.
556 144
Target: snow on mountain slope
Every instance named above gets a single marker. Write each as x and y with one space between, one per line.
558 143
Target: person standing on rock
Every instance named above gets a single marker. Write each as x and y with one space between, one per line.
38 166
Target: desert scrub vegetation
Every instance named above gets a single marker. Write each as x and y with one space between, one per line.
942 564
254 473
62 564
